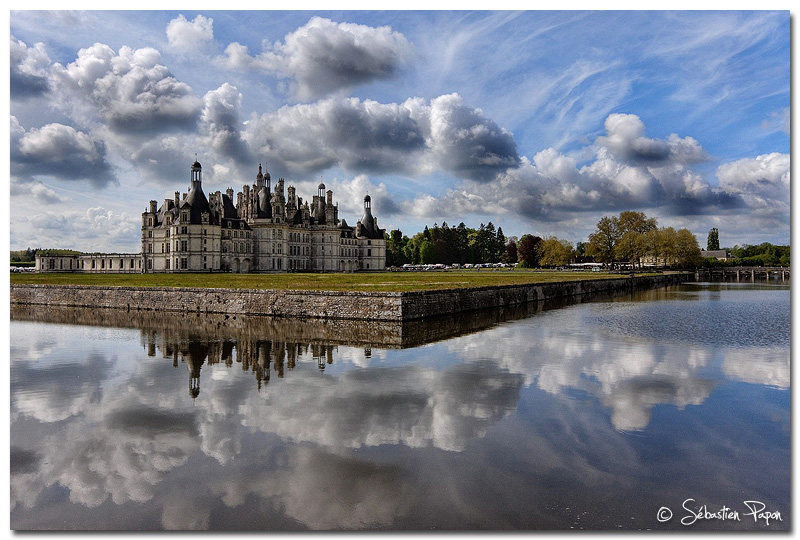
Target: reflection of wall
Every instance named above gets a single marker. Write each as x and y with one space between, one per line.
382 334
363 306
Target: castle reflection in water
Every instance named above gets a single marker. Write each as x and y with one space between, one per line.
260 357
269 346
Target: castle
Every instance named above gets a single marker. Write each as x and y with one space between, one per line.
264 230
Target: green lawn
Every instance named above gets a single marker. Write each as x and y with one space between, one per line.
385 281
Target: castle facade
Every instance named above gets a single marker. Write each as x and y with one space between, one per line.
262 230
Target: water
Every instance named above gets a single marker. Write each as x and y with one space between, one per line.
591 415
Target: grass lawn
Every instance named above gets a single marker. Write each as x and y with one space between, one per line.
384 281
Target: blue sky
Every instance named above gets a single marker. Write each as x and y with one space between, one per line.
541 122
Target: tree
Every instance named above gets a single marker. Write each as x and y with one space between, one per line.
529 250
555 252
713 240
687 250
395 244
632 243
426 252
510 255
499 245
603 241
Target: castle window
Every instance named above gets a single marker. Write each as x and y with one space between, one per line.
183 230
150 248
369 253
167 233
183 245
184 264
162 247
205 232
167 267
149 234
149 222
185 216
92 264
150 264
102 263
131 264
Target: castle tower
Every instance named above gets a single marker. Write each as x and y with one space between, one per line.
196 176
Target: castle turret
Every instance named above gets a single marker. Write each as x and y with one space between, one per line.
195 175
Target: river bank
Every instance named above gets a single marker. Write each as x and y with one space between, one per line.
366 306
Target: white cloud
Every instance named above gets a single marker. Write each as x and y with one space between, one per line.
94 229
59 151
411 138
627 170
190 37
130 92
29 69
766 176
323 57
219 119
38 191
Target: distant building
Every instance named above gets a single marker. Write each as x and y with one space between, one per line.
264 230
719 254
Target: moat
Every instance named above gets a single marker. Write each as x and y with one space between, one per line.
592 412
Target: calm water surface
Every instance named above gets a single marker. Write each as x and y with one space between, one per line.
593 415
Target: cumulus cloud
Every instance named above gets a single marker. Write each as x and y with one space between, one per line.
626 170
349 195
59 151
29 69
190 37
38 191
129 91
463 140
219 120
765 177
366 136
81 230
323 57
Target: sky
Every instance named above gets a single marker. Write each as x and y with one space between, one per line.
541 122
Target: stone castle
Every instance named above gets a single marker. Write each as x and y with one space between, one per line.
263 230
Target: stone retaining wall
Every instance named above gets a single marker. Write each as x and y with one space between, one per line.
367 306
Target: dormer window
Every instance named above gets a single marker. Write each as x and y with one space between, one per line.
185 216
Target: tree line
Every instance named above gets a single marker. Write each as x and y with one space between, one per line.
629 238
764 254
29 255
635 239
442 244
